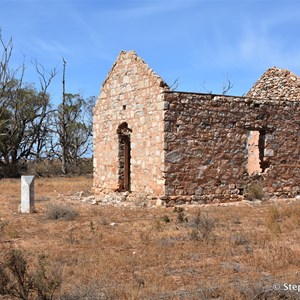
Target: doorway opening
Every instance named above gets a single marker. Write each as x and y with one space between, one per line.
124 156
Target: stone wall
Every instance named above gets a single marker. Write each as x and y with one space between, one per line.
206 144
276 84
130 104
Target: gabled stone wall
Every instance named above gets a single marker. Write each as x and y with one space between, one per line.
276 84
131 104
206 144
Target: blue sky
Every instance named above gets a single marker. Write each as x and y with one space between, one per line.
200 42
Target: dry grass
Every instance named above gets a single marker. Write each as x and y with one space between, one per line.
148 253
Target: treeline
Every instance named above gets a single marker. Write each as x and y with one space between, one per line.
34 131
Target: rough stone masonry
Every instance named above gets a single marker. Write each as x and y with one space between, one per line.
180 147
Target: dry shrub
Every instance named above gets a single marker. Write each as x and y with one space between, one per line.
180 214
2 228
292 213
166 218
92 291
260 239
47 280
283 256
145 235
277 258
158 225
12 231
166 242
273 219
17 280
254 191
49 168
203 226
59 212
238 238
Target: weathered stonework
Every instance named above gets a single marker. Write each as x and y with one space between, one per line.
276 84
182 147
206 146
132 94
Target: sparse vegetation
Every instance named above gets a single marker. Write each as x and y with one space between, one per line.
272 220
92 291
180 214
60 212
203 226
220 253
17 280
238 238
254 191
166 219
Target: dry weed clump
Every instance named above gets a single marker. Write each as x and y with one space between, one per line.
2 228
180 214
60 212
255 191
290 215
287 216
203 226
273 219
238 238
91 291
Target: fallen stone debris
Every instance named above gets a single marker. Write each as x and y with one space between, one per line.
124 199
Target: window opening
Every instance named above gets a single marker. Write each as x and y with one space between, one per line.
124 156
257 162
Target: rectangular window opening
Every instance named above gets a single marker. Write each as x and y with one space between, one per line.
256 142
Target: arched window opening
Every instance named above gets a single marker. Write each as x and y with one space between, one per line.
124 156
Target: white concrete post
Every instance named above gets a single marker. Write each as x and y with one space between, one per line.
27 194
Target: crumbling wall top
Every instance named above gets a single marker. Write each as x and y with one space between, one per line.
276 84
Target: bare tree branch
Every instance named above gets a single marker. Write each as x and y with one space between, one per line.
174 85
226 86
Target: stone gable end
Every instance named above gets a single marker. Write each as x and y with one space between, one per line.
276 84
129 113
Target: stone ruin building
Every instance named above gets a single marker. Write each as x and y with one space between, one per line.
180 147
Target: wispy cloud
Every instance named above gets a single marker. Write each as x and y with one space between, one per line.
140 9
253 40
266 44
50 46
